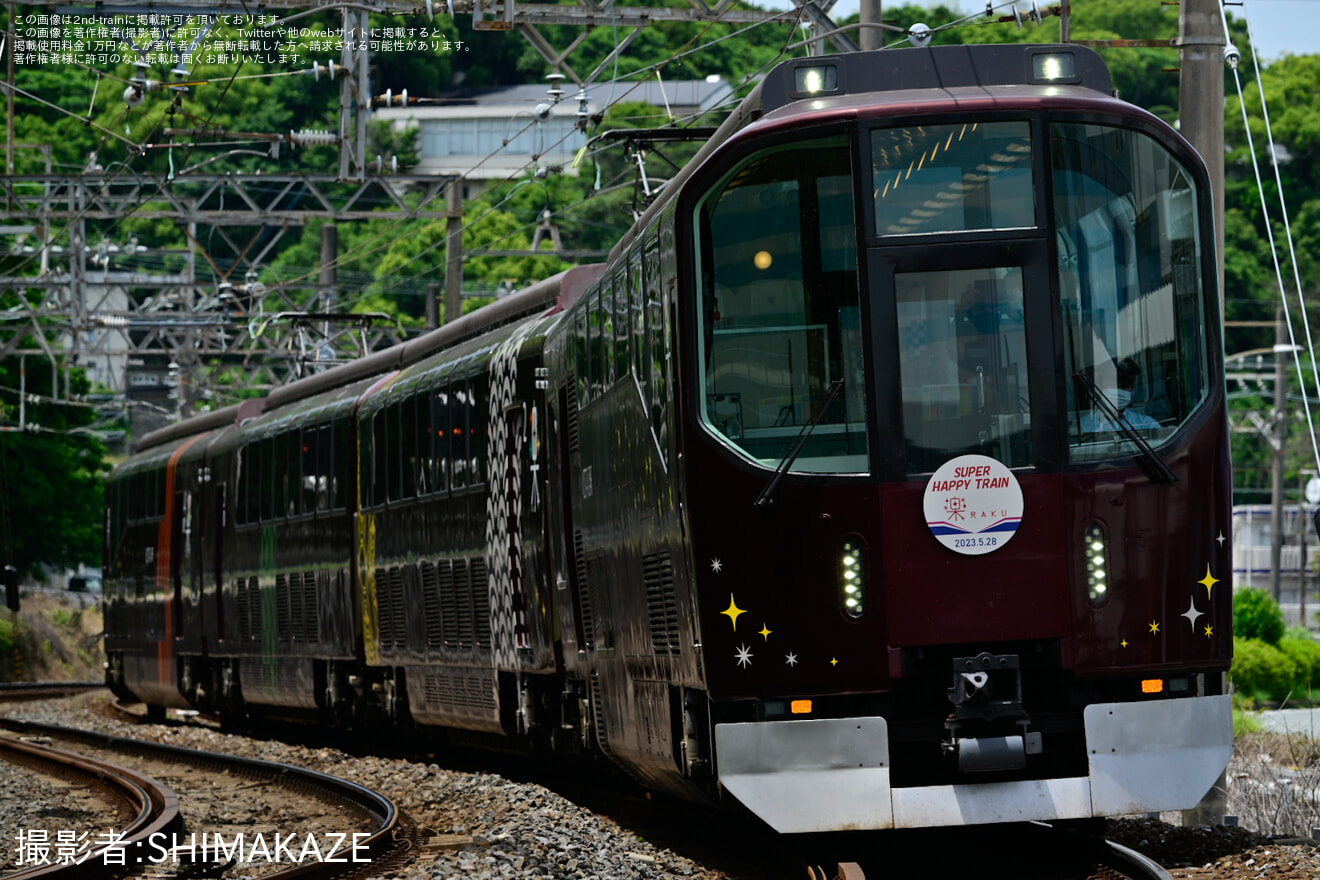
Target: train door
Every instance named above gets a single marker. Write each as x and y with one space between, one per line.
569 578
217 520
969 331
512 492
180 543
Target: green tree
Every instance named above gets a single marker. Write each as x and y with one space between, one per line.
52 476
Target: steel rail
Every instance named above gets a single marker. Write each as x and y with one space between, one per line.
388 843
153 806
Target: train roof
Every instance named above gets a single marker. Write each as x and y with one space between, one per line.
858 81
553 294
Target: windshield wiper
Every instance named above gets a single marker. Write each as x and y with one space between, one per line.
764 498
1156 466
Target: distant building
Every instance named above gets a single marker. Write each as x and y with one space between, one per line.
1252 535
465 132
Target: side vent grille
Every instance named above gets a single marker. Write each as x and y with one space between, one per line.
448 603
477 580
661 604
570 415
431 604
584 594
463 587
283 614
598 710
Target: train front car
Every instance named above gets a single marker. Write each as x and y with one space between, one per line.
955 457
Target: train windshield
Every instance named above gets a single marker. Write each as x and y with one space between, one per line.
951 178
1126 222
780 321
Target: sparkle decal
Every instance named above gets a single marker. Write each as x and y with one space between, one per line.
716 566
1209 631
1154 626
1192 613
765 631
743 655
732 612
1123 643
790 659
834 661
1208 581
1221 539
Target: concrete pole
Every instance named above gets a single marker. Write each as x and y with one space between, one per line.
871 38
1201 119
433 305
454 252
328 281
1201 101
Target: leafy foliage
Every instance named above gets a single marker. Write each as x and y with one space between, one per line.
1257 616
1262 671
52 481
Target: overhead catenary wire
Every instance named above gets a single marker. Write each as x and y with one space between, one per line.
1269 231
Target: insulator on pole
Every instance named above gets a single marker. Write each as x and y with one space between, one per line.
311 137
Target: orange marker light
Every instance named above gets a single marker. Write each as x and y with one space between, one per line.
1152 685
800 707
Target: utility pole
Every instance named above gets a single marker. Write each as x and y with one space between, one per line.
871 38
454 252
1201 101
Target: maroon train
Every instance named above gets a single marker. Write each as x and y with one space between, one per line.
879 478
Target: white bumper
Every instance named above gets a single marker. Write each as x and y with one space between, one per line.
833 774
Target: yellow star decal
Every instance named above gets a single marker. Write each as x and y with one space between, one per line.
1209 631
765 632
1208 581
733 611
1123 643
834 661
1154 626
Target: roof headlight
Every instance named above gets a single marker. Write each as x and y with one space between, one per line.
815 79
1053 66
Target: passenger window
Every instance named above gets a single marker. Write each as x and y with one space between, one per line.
1133 296
780 332
963 359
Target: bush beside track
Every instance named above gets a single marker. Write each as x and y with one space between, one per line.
1271 663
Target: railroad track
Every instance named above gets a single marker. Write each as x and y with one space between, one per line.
19 691
1024 852
156 844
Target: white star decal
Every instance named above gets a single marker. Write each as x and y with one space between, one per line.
743 655
716 566
1221 539
1191 613
790 658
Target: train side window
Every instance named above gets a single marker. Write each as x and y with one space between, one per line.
425 443
265 478
1130 277
381 428
316 468
622 337
440 421
477 429
407 454
608 341
655 335
637 317
595 346
366 440
582 357
458 431
286 470
779 339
